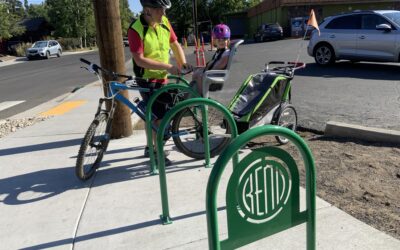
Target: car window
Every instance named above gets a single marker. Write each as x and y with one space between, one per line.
40 44
393 16
370 21
274 26
345 22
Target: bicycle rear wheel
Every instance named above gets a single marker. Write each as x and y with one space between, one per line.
187 132
287 118
93 147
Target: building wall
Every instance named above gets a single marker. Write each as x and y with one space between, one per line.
282 11
238 23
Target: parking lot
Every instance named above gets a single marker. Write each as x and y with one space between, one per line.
357 93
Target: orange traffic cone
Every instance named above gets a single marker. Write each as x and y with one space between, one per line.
202 59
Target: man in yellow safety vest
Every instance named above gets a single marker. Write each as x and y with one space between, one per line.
150 39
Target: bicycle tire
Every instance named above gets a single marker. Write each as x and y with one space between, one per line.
192 144
96 138
287 118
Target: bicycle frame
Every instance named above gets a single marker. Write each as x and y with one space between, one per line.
113 94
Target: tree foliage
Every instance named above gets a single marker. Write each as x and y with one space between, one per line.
181 12
37 10
10 15
126 16
75 18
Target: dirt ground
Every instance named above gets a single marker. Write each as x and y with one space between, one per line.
358 177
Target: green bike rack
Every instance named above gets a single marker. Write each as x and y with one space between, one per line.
148 120
165 217
262 197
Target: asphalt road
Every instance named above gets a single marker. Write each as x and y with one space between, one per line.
362 93
357 93
38 81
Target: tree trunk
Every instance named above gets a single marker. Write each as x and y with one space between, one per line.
109 41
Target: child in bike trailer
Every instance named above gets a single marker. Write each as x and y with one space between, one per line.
221 35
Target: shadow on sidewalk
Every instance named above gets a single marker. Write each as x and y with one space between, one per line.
136 171
115 231
117 151
40 147
44 184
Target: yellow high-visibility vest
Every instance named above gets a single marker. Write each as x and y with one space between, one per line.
156 46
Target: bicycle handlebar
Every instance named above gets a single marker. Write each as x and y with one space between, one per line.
96 68
297 65
292 65
185 71
287 68
84 61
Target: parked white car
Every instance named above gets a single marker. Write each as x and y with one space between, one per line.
44 49
357 36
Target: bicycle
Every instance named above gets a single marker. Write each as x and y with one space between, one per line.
187 123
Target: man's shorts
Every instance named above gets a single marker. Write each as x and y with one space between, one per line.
163 102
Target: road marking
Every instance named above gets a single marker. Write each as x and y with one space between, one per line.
9 104
63 108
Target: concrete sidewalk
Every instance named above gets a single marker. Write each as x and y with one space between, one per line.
43 205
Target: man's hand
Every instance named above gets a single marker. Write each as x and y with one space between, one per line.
173 70
187 67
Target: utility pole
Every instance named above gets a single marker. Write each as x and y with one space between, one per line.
109 41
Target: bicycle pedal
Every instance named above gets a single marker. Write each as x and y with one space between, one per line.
136 100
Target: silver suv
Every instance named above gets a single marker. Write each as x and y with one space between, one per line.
44 49
358 36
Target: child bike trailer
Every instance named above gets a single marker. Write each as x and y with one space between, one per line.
264 98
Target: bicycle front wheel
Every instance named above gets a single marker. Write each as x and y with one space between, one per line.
93 147
187 132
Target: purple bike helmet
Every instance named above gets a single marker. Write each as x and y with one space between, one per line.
221 31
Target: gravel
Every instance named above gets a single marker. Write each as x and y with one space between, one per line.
11 125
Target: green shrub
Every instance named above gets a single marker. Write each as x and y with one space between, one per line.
20 49
72 43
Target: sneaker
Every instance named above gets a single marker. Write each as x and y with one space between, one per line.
147 154
168 162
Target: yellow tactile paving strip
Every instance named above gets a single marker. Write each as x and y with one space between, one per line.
63 108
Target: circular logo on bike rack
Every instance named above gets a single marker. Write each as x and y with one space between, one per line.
264 188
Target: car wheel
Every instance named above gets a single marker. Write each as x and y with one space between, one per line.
47 54
324 55
59 53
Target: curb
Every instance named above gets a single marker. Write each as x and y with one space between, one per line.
340 129
35 111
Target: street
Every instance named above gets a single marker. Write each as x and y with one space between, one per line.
362 93
32 83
